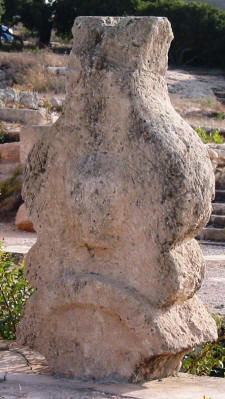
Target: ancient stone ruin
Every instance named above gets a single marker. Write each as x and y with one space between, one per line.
117 189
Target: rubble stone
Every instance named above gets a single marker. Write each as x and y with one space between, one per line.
28 99
22 221
126 185
8 95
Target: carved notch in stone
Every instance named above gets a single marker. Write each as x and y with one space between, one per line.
117 190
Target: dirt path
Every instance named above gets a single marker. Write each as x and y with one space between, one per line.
16 241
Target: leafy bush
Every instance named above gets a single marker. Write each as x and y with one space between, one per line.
14 291
199 31
210 358
215 137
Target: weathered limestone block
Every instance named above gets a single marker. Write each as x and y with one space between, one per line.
117 190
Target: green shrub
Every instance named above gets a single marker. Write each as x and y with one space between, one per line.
215 137
14 291
199 31
220 115
210 358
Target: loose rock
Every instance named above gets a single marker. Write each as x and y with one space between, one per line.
22 221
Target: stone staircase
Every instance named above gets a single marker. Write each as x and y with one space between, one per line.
220 94
214 231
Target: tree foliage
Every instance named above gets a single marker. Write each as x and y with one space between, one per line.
35 14
67 10
199 31
1 9
40 15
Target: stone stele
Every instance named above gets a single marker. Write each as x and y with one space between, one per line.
117 190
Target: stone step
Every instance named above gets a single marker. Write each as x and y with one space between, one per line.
212 234
10 153
217 220
24 116
212 243
218 208
220 196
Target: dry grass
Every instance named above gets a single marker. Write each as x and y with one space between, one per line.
29 70
199 112
184 104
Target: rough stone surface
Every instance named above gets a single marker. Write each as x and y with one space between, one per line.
8 95
28 99
29 135
22 221
126 184
56 102
218 149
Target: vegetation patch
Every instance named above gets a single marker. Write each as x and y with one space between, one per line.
29 72
199 31
210 358
206 137
14 292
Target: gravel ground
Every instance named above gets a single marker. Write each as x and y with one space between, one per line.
209 249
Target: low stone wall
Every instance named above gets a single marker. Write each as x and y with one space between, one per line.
26 116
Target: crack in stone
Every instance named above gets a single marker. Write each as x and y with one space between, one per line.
24 357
